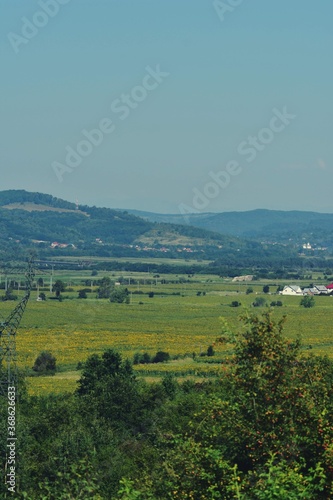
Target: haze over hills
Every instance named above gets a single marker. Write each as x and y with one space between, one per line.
57 228
61 227
257 224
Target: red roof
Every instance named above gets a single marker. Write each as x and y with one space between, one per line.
329 287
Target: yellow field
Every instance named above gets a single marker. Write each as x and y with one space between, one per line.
179 324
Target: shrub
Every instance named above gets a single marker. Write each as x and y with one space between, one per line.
104 289
276 303
259 302
210 351
141 359
9 295
161 357
235 303
45 362
58 287
307 302
119 295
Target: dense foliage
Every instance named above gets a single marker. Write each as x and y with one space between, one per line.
263 430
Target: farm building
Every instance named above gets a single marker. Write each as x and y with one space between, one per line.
292 290
309 291
320 289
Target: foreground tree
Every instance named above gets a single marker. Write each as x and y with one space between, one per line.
108 389
284 399
263 431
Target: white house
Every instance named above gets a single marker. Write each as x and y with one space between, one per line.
292 290
309 291
320 289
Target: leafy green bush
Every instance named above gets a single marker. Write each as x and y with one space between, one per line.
161 357
141 358
259 302
210 351
44 363
307 301
119 295
9 295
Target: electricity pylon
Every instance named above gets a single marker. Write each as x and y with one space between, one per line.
8 329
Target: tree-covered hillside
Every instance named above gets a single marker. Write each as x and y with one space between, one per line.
30 219
56 228
22 196
258 224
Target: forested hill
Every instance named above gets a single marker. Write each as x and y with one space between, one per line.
55 228
258 224
39 219
20 196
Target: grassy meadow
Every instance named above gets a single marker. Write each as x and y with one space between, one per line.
181 318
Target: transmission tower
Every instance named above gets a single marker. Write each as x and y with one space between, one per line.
8 328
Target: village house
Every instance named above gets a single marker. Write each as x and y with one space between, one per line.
320 289
292 290
309 291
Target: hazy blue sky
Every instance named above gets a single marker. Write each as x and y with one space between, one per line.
66 65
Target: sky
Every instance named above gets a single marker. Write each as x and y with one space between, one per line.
169 106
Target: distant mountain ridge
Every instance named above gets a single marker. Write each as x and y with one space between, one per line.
35 218
256 224
254 238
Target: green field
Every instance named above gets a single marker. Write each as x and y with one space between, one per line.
176 320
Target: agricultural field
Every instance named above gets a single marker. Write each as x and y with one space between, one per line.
183 317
